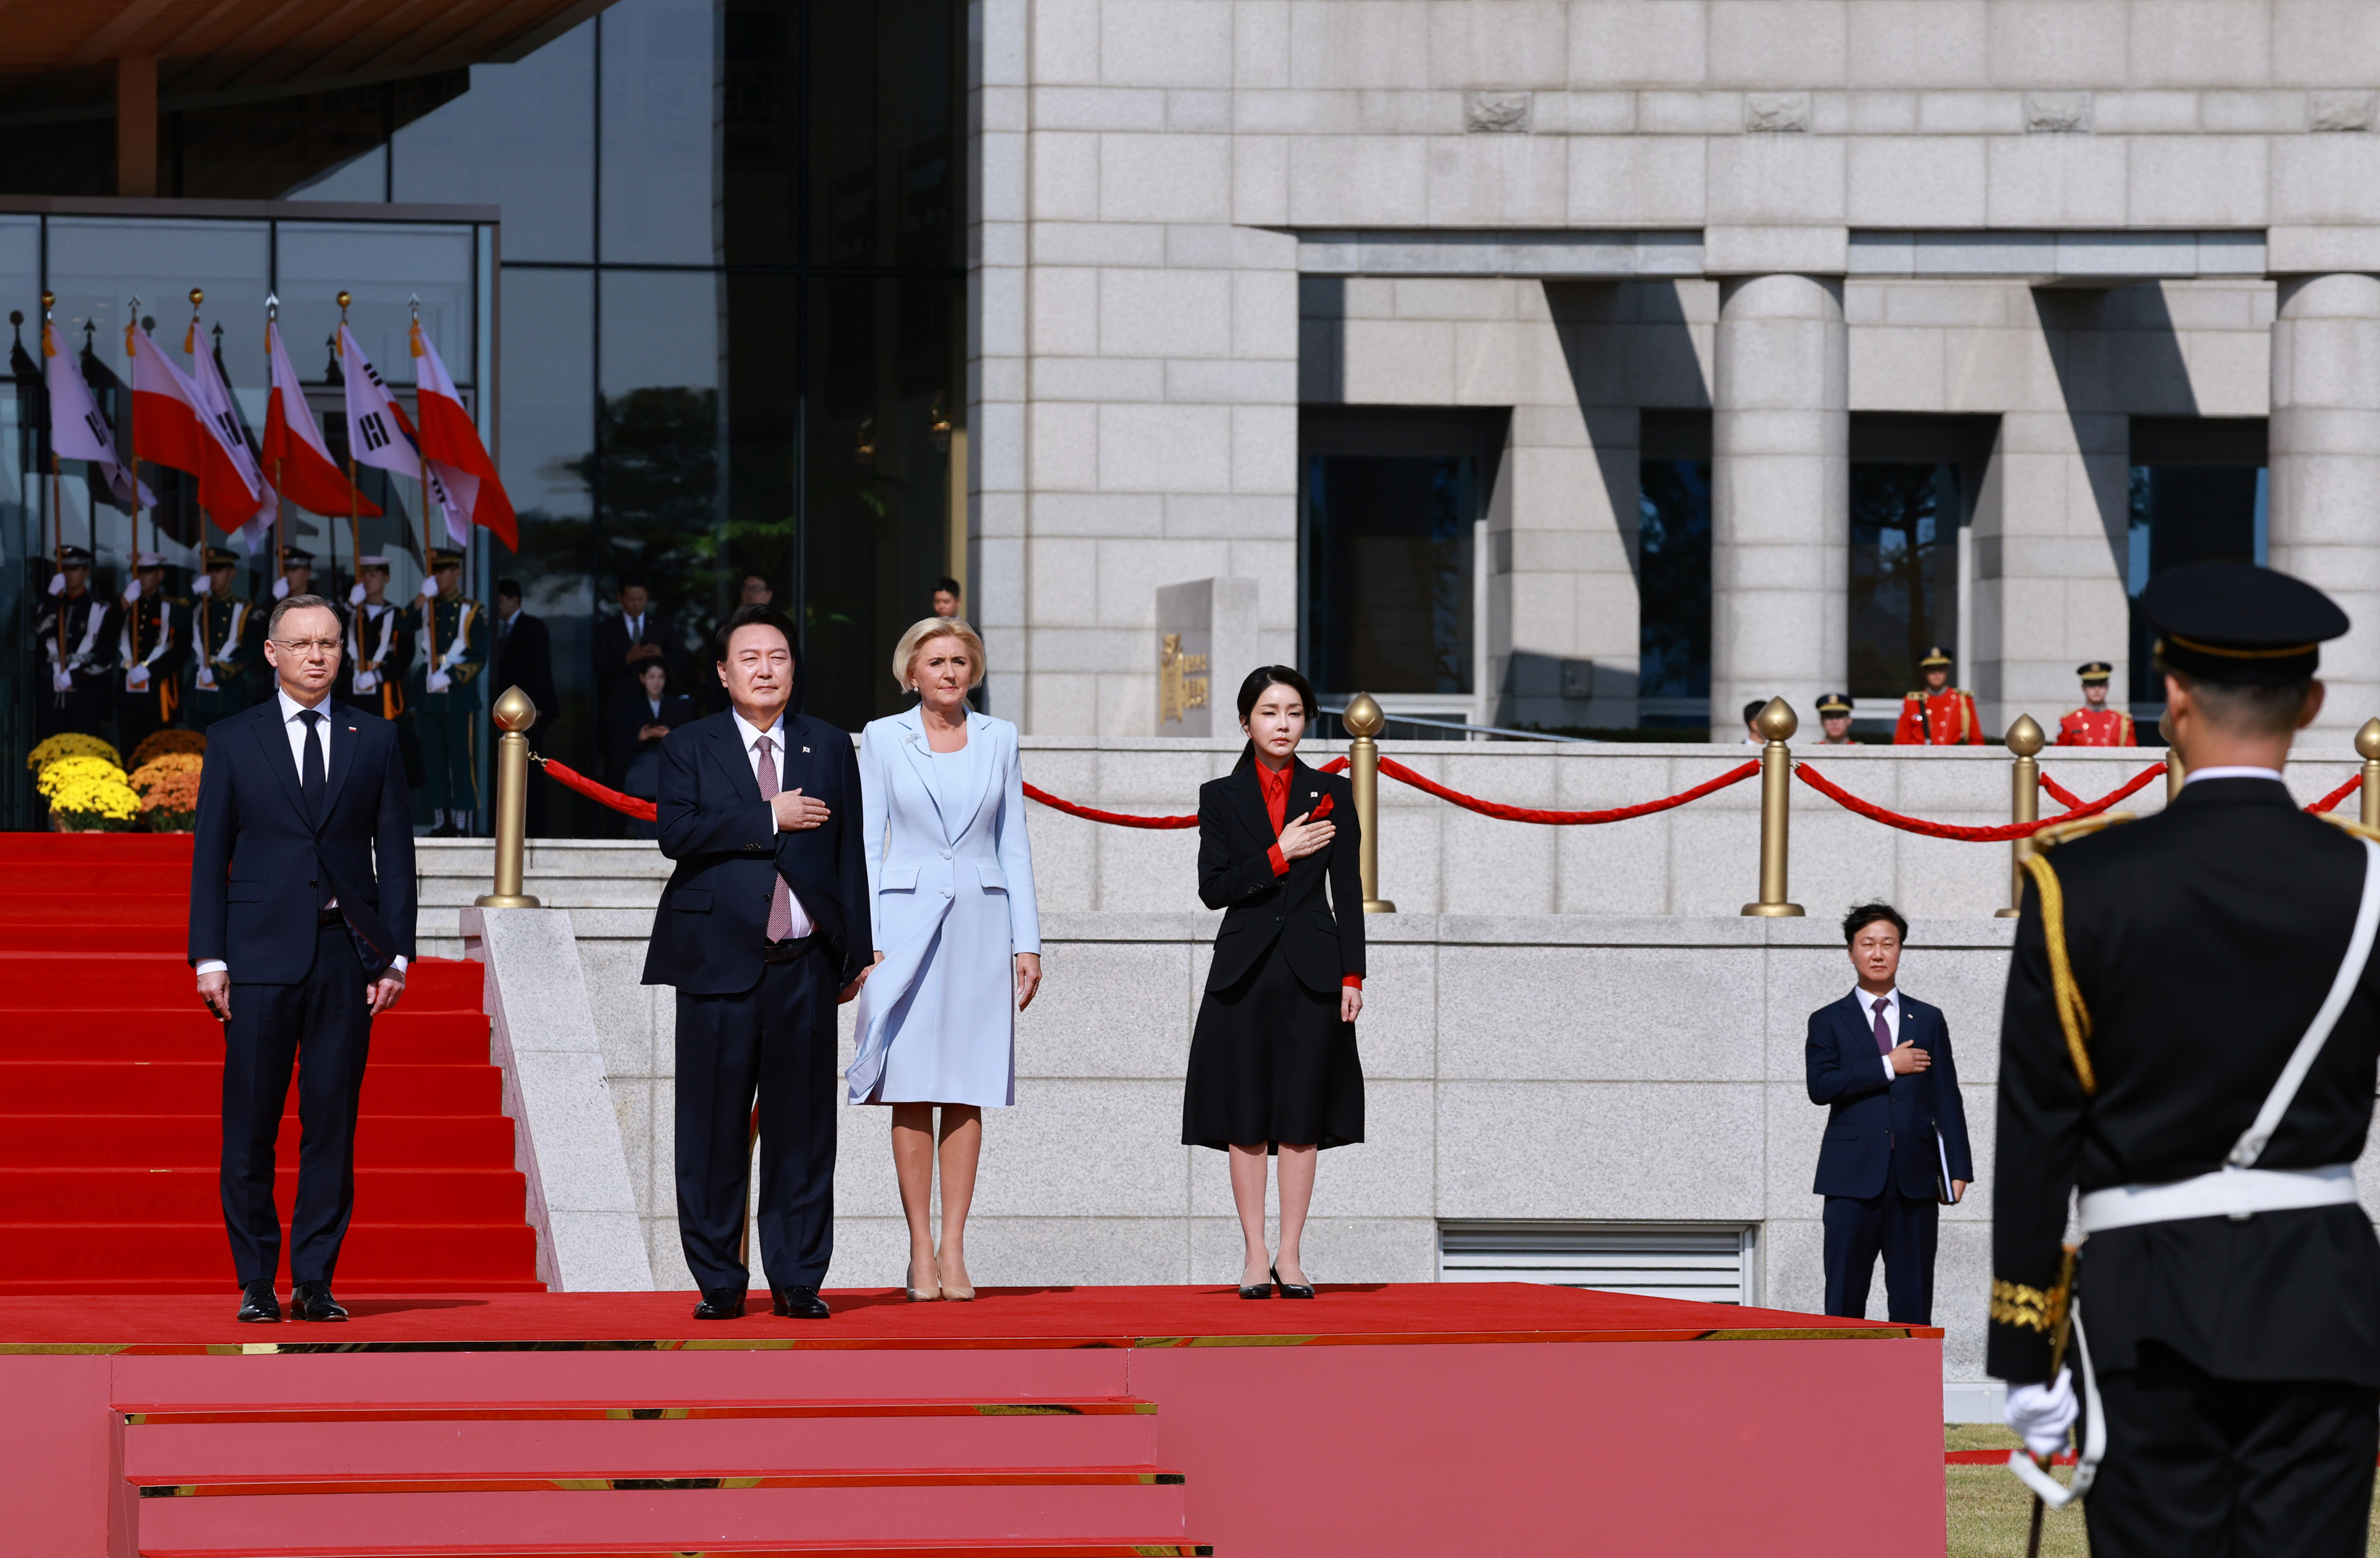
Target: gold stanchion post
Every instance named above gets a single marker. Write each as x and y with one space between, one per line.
2367 746
1777 724
2024 738
1363 719
514 715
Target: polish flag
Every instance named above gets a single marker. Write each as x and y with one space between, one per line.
294 449
76 430
223 417
171 426
452 444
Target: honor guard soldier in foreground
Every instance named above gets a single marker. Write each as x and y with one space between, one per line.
76 636
1834 719
444 690
149 648
2095 724
226 643
379 643
1938 714
2190 1037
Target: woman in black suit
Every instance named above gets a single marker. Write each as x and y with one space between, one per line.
634 738
1273 1062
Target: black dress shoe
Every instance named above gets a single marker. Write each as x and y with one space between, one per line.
257 1306
313 1301
721 1303
1290 1289
798 1302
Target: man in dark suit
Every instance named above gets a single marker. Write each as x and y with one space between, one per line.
2189 1040
1896 1142
763 929
524 660
302 923
624 644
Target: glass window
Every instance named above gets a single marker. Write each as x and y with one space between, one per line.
1388 560
385 266
884 128
657 483
97 264
2183 514
1673 531
1905 573
657 186
523 138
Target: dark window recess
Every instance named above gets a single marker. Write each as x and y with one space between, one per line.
2198 492
1903 596
1673 581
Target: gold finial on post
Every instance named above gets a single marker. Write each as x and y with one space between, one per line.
514 715
1363 720
2025 738
2367 746
1776 725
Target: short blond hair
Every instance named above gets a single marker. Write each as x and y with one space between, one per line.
904 653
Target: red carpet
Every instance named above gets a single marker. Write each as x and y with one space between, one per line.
112 1075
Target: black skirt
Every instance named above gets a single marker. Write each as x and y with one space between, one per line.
1271 1062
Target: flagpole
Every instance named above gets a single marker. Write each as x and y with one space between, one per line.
428 602
57 490
131 431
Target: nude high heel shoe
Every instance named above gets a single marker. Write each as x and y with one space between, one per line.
956 1294
927 1294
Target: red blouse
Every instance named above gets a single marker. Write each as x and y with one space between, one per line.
1273 784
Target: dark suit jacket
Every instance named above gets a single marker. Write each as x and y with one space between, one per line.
615 680
527 661
621 746
260 867
713 920
1235 875
1872 1127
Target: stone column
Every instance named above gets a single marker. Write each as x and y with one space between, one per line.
1780 495
2324 459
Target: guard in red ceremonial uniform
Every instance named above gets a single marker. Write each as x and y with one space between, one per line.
2095 724
1941 715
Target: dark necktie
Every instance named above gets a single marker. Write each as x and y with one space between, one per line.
313 779
781 901
1883 1028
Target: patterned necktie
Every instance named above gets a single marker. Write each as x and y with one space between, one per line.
781 901
312 778
1883 1028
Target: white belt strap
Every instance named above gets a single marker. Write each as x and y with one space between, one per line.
2351 973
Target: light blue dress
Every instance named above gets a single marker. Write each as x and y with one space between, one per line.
950 891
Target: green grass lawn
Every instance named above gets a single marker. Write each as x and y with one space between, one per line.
1988 1509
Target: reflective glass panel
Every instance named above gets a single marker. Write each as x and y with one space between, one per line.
2183 514
1673 516
658 482
1904 573
385 266
523 138
1389 569
658 183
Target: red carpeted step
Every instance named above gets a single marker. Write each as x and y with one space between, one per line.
194 1195
87 907
403 1037
195 1141
156 1086
452 1255
770 1548
36 981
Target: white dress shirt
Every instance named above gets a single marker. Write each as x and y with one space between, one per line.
1892 1019
2196 774
750 733
295 728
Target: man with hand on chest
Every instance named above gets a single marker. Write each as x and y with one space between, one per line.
763 929
1896 1145
301 924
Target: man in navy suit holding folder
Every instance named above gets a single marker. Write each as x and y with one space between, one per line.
1896 1145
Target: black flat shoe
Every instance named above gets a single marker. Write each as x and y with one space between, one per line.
1290 1289
798 1302
257 1306
721 1303
313 1301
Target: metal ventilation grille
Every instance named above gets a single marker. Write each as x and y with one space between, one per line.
1711 1263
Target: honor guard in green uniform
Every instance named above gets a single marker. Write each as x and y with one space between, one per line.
2189 1040
380 644
443 687
297 575
74 636
226 643
150 645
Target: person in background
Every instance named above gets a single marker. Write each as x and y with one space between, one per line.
2094 723
633 744
1835 720
1273 1066
149 644
75 635
958 933
949 599
379 643
1752 736
1896 1146
754 590
226 642
296 574
624 644
1937 714
443 687
524 657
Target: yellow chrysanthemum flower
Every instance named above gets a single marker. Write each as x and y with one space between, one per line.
76 770
71 743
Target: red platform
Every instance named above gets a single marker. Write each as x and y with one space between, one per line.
1438 1419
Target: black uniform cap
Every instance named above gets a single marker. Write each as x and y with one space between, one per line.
2238 623
1833 703
295 557
74 556
1937 655
2097 671
441 559
220 557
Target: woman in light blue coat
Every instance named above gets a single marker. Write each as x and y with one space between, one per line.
950 885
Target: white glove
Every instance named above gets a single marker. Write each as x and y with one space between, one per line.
62 681
202 585
2042 1414
367 681
430 587
57 584
207 678
354 594
281 588
137 679
132 592
439 681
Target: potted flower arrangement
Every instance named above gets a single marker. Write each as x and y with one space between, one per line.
168 788
89 795
72 744
158 744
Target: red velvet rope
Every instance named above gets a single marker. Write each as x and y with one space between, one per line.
1398 771
2000 835
2340 794
604 794
1113 818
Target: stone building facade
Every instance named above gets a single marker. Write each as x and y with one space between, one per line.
2025 240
